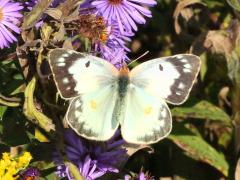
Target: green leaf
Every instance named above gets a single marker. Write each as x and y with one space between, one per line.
2 111
235 4
13 131
74 171
198 149
202 110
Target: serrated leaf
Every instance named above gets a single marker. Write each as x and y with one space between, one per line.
199 149
31 111
202 110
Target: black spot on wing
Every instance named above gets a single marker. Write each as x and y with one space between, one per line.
87 64
181 86
160 67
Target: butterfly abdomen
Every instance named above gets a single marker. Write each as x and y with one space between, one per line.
122 88
123 82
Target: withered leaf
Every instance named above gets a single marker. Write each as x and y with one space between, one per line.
69 9
218 42
33 17
30 110
237 171
185 13
59 35
54 13
235 4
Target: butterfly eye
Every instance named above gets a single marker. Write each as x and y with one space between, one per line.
87 64
160 67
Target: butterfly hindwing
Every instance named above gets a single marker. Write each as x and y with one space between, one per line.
170 78
76 73
90 114
147 119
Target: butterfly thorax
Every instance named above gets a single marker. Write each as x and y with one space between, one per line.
123 81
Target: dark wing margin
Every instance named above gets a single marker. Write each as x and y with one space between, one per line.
60 61
188 67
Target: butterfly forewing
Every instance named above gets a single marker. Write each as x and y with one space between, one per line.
170 78
76 73
90 82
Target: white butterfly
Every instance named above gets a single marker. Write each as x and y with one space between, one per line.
102 98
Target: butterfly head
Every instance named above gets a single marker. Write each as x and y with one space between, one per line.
124 71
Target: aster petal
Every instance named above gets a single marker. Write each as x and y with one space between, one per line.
92 169
11 26
3 39
3 2
137 16
146 2
107 11
128 18
96 3
143 10
86 166
98 174
12 14
12 7
9 36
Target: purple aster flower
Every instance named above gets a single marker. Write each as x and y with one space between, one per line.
31 173
126 12
30 4
92 160
114 48
117 56
9 19
140 176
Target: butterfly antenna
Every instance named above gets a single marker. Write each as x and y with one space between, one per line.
144 54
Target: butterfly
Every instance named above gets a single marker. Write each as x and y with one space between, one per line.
103 97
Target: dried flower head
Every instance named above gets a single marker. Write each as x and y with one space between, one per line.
91 26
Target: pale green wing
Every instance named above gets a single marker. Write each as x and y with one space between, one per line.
147 118
90 114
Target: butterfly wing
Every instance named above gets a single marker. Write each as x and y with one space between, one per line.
90 114
75 73
90 82
147 119
170 78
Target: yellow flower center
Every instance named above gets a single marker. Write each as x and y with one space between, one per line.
1 14
115 2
